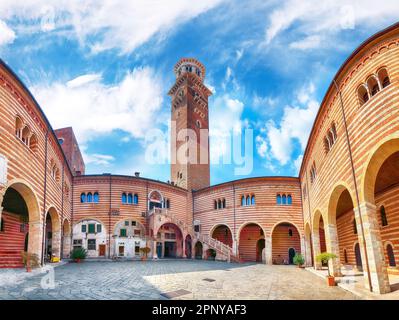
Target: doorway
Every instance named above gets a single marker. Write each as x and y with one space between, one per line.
358 257
101 250
291 255
260 245
170 249
121 251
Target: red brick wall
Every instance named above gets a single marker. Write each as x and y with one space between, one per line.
281 242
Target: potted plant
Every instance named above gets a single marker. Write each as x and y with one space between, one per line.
30 260
144 252
325 257
78 254
211 254
299 260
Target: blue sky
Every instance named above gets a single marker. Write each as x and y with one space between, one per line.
105 67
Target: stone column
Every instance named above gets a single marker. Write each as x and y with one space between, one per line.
316 249
184 256
307 251
154 250
268 250
235 247
374 247
56 244
333 247
35 238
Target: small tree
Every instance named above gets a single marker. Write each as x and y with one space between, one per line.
145 251
78 254
299 260
325 257
30 260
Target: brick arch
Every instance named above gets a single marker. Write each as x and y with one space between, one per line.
228 240
248 247
285 221
66 223
282 243
337 191
247 223
91 218
129 219
375 160
55 218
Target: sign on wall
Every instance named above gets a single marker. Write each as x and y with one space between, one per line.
3 170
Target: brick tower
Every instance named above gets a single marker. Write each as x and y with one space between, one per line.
190 126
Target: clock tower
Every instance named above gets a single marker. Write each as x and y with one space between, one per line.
190 126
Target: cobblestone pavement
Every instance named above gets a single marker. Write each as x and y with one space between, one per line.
149 280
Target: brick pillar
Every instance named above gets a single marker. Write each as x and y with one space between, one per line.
154 250
184 248
268 249
66 246
307 251
316 249
56 244
375 250
35 238
333 247
235 247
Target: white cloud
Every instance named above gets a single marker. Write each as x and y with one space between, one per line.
298 163
98 159
92 107
295 125
7 35
107 24
313 20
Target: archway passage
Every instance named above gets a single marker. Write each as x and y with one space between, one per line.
198 250
285 238
248 240
66 239
260 246
170 240
52 236
223 234
322 236
14 236
188 246
358 257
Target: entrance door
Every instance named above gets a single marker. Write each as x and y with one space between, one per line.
291 255
101 250
170 249
159 249
260 245
358 257
121 251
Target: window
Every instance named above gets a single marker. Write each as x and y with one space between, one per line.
289 199
383 77
198 124
137 233
60 140
363 94
18 127
126 223
253 200
33 143
167 204
215 204
92 228
313 172
219 204
197 228
290 232
384 220
91 244
345 256
130 198
354 226
224 203
391 256
373 86
278 199
248 201
133 223
284 199
84 228
96 197
77 242
330 138
25 135
136 199
122 233
99 228
243 201
89 197
124 198
83 198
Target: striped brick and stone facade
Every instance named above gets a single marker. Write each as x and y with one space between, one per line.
345 200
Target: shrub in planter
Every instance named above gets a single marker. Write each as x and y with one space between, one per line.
211 254
299 260
78 254
324 258
30 260
144 253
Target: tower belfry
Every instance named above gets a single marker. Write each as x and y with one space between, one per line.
190 126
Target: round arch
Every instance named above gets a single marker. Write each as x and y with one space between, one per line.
249 247
287 222
222 232
246 224
90 219
285 239
138 223
334 197
52 234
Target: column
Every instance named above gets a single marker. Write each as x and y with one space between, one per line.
56 244
333 247
374 247
184 256
35 238
268 250
154 250
316 249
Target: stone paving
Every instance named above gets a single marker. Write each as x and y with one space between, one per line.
163 279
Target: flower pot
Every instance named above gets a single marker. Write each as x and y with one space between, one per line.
28 269
143 258
330 281
77 260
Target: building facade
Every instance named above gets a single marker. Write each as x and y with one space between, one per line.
345 200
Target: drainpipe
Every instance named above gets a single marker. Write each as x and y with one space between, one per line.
354 181
303 219
109 216
234 217
309 213
44 198
72 211
62 213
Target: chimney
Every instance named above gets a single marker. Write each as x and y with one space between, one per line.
137 174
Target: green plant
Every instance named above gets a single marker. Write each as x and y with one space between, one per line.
145 251
78 254
299 260
324 258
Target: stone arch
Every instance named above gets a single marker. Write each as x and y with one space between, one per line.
198 250
247 246
32 241
52 234
318 236
308 244
285 235
90 218
172 247
66 238
222 232
155 199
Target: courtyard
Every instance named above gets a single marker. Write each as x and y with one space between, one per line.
166 279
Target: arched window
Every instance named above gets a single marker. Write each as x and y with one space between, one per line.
224 203
96 197
391 256
289 199
313 172
167 203
253 200
2 225
136 200
219 204
290 232
363 95
384 220
248 201
383 77
372 84
334 132
83 198
33 144
18 127
242 201
278 199
124 198
284 199
215 204
354 226
89 197
25 135
130 198
345 256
